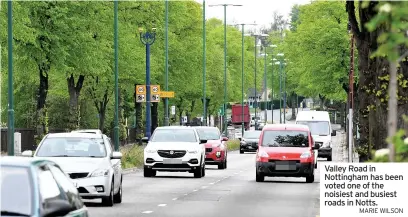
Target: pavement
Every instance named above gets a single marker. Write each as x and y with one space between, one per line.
229 192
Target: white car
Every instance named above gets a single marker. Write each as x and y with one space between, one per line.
95 131
88 159
174 149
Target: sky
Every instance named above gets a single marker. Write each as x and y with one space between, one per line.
259 11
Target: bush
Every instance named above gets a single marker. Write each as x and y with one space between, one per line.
233 145
132 156
400 146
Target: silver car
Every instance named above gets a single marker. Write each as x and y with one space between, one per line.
88 159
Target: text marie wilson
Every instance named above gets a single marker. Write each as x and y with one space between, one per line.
382 210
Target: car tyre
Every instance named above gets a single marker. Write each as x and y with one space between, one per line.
241 151
198 173
329 158
221 165
203 171
117 198
260 177
310 178
225 166
108 200
149 172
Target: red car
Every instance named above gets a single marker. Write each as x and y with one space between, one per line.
286 150
215 148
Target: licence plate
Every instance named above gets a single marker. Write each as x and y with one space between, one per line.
285 165
172 161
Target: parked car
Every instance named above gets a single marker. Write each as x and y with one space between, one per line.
215 148
286 150
321 129
38 188
249 142
174 149
95 131
89 160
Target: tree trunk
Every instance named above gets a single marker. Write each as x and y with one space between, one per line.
294 106
74 91
155 116
41 99
392 108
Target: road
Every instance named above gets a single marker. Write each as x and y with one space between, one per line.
230 192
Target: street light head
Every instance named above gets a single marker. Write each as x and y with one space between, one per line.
280 54
273 45
140 29
154 29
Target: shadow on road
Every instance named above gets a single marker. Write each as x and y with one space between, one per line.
283 181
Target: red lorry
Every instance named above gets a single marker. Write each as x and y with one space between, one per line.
236 116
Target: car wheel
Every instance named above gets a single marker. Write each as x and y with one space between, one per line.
329 158
117 198
315 166
225 164
221 165
259 177
149 172
241 151
203 171
310 178
198 173
108 200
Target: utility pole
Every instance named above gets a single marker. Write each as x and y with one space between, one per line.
351 100
166 100
10 122
204 70
265 89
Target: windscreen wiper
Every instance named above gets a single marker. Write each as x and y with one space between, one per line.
10 213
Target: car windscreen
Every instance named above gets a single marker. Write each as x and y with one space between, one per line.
174 135
208 133
321 128
16 190
72 147
252 134
285 138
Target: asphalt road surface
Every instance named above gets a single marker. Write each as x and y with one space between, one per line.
230 192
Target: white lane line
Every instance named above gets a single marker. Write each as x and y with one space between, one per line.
204 187
147 212
162 204
195 190
235 173
174 198
185 194
212 183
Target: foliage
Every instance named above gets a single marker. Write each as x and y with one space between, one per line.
233 145
401 149
132 156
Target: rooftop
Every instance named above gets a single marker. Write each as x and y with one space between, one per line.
286 127
74 135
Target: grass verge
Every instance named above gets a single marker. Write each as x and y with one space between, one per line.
233 145
132 156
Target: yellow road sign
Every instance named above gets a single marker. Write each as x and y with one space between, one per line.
140 89
154 89
167 94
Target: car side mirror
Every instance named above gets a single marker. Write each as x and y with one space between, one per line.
145 139
202 141
224 138
240 139
116 155
333 133
58 207
316 146
27 153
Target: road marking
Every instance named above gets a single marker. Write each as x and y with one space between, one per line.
147 212
204 187
175 198
185 194
235 173
195 190
212 183
162 204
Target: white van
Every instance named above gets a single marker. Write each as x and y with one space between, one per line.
321 129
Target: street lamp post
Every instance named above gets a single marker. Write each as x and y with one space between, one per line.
284 92
225 63
280 87
116 129
10 120
148 38
273 59
242 76
166 100
204 70
265 89
255 80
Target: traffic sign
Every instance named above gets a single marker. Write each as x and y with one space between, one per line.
155 98
173 110
140 98
140 89
167 94
155 89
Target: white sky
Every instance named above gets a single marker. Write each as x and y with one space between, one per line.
259 11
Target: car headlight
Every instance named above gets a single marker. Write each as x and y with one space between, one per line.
262 154
150 151
100 172
193 152
216 145
305 155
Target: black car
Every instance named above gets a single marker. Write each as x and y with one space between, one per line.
249 141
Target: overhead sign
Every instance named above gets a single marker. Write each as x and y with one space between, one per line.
167 94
